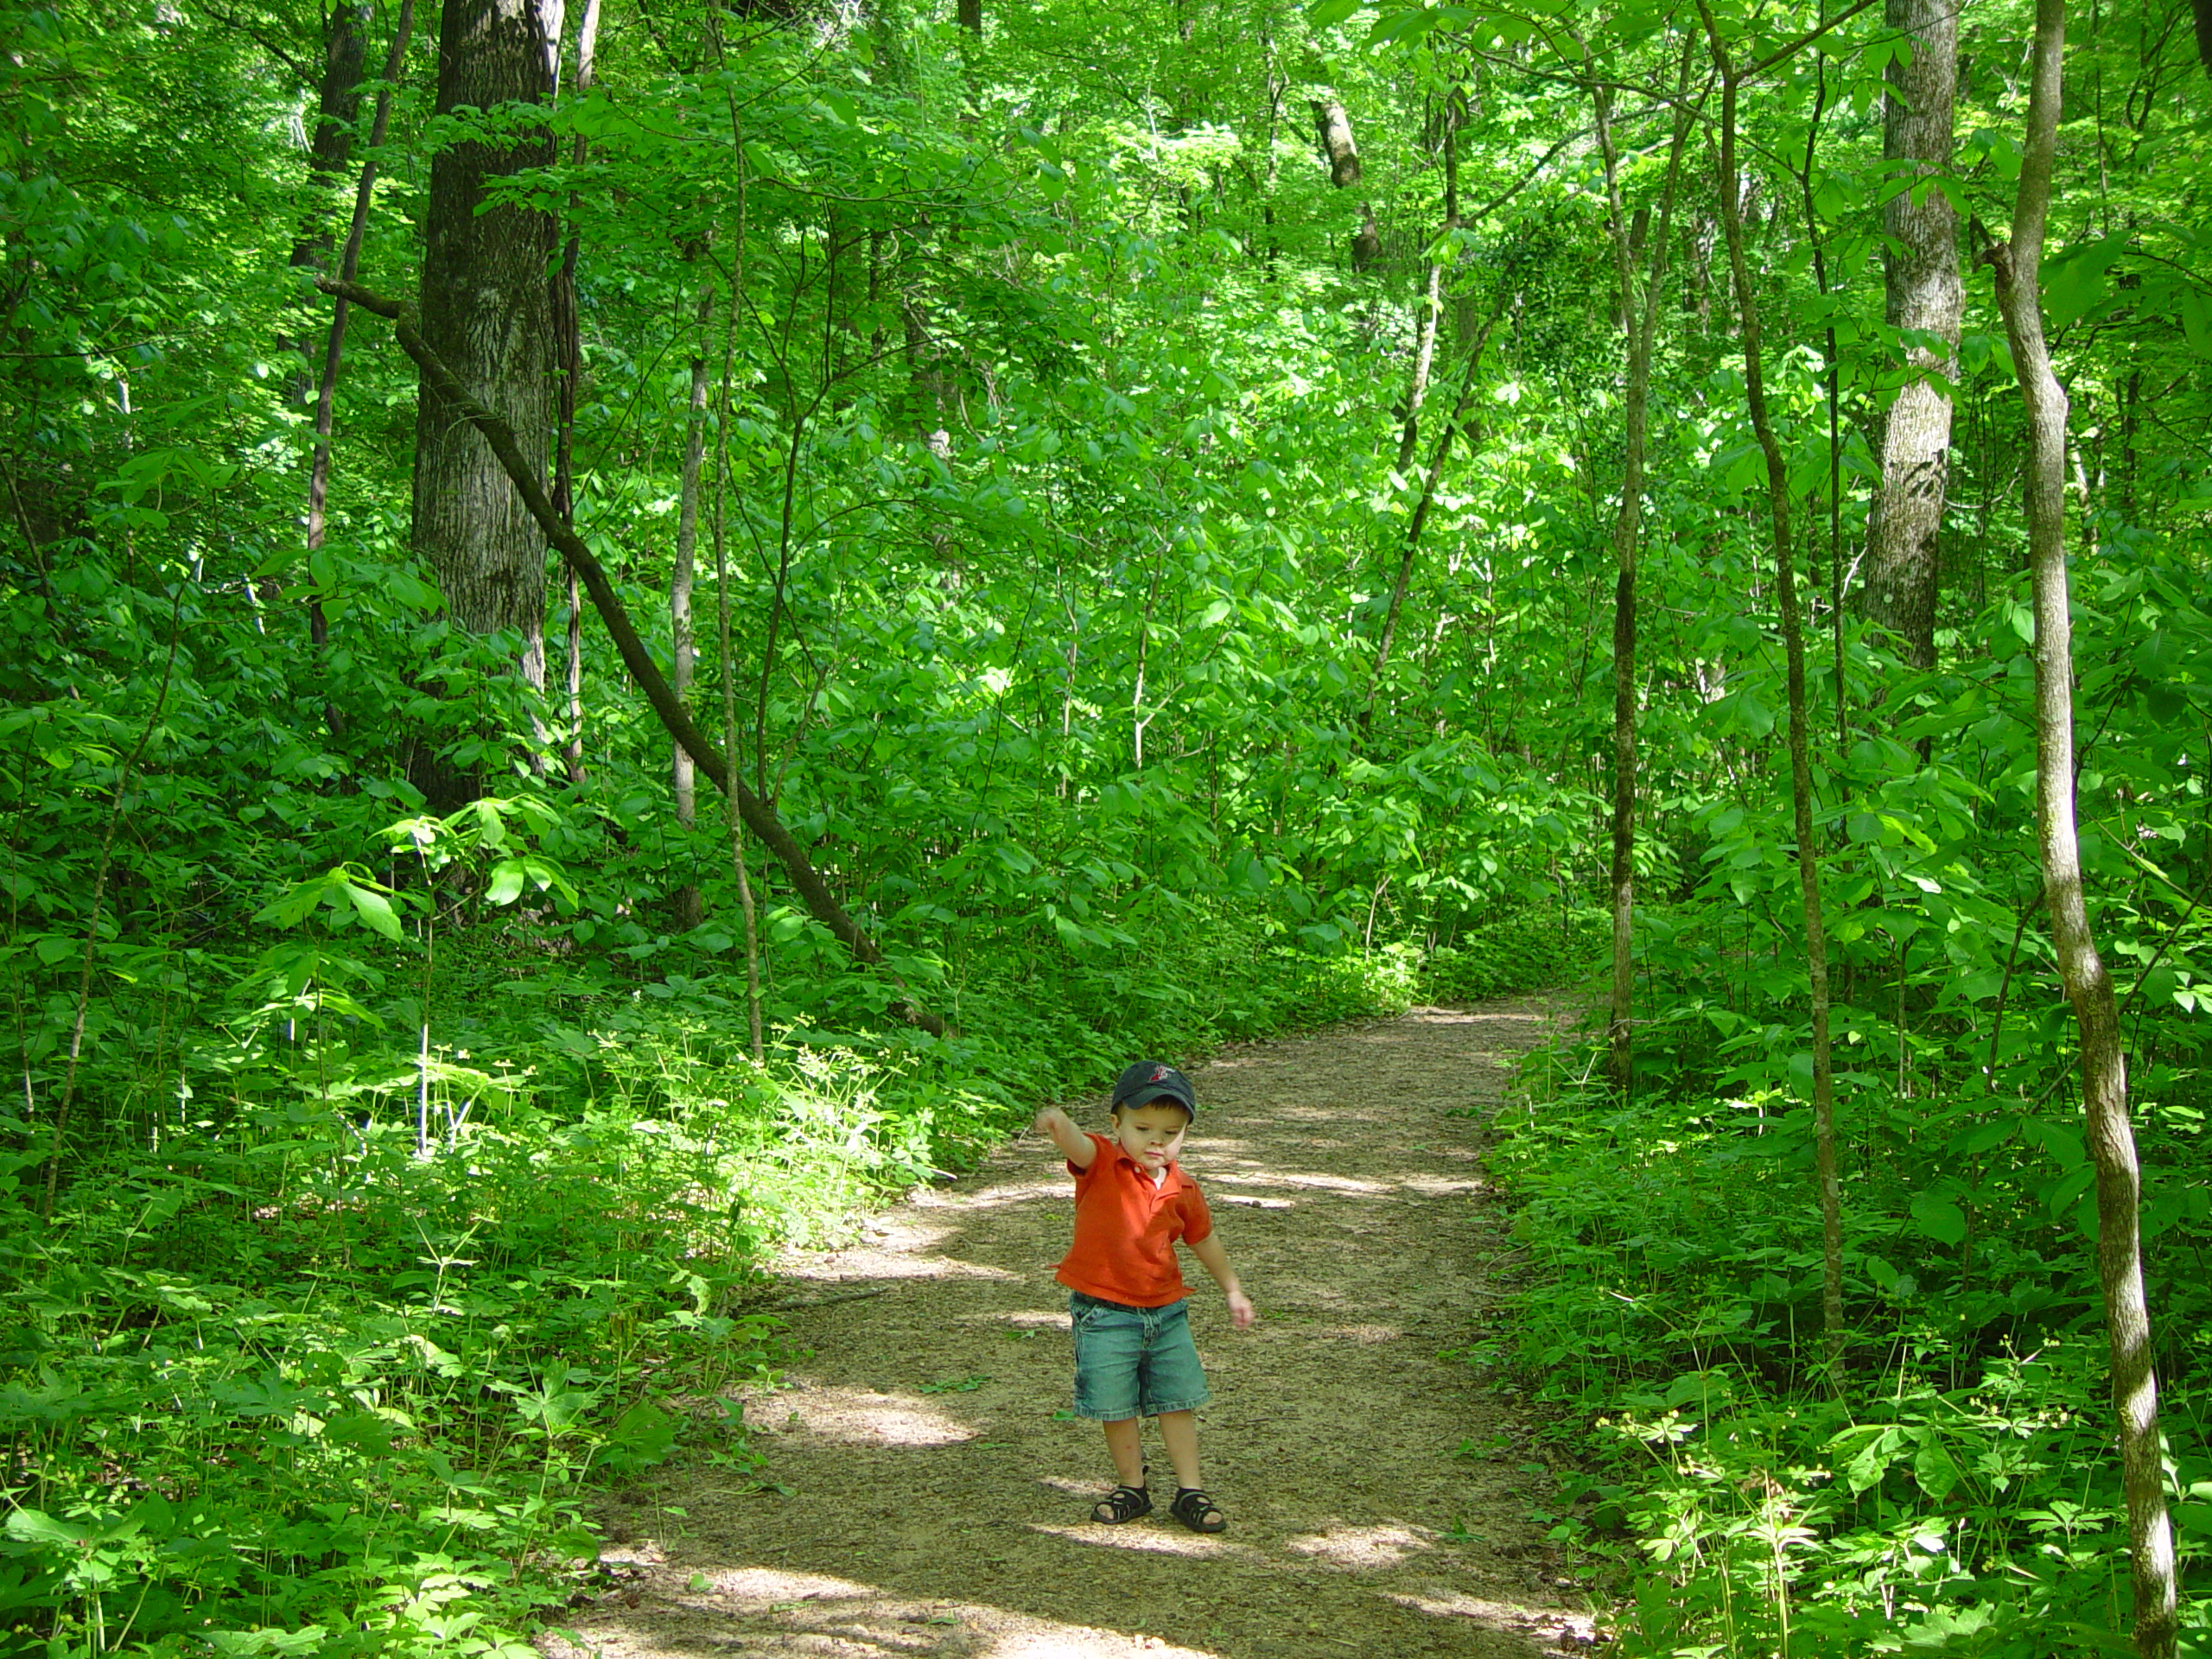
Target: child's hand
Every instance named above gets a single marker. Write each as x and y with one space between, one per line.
1042 1122
1241 1313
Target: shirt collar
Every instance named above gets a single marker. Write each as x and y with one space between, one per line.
1174 1166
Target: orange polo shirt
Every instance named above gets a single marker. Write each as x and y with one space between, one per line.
1126 1228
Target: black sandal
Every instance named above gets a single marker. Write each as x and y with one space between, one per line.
1196 1510
1123 1504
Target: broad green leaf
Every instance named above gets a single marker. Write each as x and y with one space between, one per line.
373 908
1938 1217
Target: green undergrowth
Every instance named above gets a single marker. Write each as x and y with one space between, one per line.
329 1340
1960 1494
1525 950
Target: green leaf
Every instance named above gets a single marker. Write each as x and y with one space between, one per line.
1938 1218
373 908
507 877
2196 323
1935 1468
36 1527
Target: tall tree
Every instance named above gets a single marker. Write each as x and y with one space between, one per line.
682 652
333 352
486 311
2018 269
1639 309
569 353
330 142
1793 639
1921 294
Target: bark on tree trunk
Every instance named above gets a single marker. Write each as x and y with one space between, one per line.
333 350
1430 480
734 819
569 350
1923 291
330 146
2018 268
1640 315
1334 127
1433 309
486 313
1800 768
681 775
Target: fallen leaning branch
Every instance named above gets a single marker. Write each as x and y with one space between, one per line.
759 817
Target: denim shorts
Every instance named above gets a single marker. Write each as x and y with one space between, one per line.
1133 1362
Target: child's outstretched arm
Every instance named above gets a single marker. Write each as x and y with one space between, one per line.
1080 1148
1215 1260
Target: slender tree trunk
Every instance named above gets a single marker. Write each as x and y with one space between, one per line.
1432 308
486 313
1640 315
681 650
1920 265
2018 269
1800 767
1419 521
727 655
569 350
333 350
330 146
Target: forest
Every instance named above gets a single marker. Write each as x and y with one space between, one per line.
632 629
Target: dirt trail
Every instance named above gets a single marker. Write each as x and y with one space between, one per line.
936 1505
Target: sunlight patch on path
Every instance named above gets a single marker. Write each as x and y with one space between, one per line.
1570 1630
992 1197
1024 1318
869 1263
1144 1541
1364 1548
1295 1179
856 1417
785 1614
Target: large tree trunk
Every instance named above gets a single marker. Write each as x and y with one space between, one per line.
486 313
1921 279
2018 268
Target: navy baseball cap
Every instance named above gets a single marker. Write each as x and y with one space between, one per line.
1148 1081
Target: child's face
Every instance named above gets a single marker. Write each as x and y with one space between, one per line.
1152 1134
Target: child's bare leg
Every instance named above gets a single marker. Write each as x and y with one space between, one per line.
1179 1433
1124 1439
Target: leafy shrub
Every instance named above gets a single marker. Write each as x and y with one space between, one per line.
1530 949
1963 1497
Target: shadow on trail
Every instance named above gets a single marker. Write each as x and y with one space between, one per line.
935 1491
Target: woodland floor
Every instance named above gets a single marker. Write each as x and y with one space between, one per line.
935 1503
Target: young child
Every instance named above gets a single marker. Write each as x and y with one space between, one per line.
1134 1356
